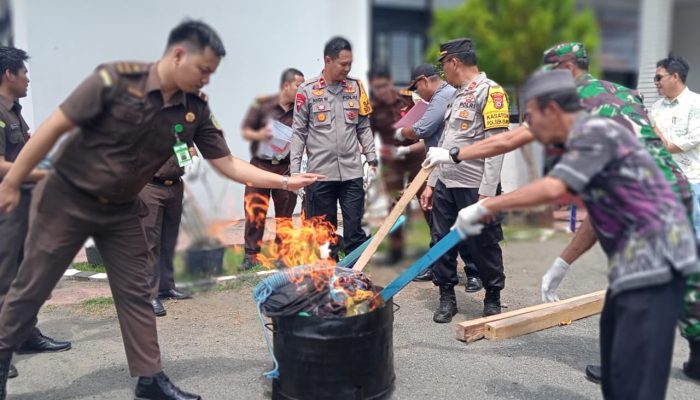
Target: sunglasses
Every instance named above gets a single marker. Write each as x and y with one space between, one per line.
659 77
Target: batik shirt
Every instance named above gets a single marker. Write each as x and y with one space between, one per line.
640 224
626 106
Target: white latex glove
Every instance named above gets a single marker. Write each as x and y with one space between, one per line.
469 220
437 155
552 278
398 136
371 176
402 152
194 168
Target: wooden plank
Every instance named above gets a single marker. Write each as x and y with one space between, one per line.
384 229
474 329
545 318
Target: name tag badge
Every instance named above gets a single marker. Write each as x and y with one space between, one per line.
182 154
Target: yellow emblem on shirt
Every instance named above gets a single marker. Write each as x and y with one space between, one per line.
496 110
365 106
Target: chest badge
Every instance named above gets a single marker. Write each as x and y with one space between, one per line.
349 88
463 114
321 107
464 126
322 117
318 92
351 103
190 117
351 115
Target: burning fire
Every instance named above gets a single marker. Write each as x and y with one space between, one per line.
299 244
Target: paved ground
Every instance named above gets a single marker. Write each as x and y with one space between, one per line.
213 344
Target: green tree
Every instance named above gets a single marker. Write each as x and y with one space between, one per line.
510 36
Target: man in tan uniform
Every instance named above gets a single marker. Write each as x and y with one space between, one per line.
14 134
130 118
163 197
479 109
264 110
331 122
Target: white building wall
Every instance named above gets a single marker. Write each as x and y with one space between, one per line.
67 39
685 38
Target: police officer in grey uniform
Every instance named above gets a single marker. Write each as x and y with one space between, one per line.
331 122
479 109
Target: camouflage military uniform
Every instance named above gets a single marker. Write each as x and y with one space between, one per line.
608 99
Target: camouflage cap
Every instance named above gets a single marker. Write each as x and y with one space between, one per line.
570 51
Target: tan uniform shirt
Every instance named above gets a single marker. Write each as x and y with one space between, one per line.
14 132
478 111
331 121
126 132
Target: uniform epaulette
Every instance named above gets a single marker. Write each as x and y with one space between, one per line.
309 82
131 68
262 99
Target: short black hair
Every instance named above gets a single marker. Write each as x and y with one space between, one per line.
378 72
568 100
335 46
675 65
12 59
289 74
466 57
197 35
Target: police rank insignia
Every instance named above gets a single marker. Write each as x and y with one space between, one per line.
190 117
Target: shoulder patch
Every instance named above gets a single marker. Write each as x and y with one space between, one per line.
130 68
495 112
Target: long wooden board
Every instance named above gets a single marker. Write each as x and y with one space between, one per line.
559 314
384 229
475 329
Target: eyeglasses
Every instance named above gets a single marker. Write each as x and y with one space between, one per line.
659 77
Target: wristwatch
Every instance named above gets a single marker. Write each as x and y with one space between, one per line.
454 154
373 163
285 182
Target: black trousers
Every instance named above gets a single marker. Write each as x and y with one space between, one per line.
637 329
483 250
321 199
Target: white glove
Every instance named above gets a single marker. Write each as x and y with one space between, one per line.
552 278
437 155
370 176
402 152
194 168
398 136
468 221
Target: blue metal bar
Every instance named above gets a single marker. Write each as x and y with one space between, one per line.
443 246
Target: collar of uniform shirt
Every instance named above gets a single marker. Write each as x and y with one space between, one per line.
477 79
6 103
153 84
679 98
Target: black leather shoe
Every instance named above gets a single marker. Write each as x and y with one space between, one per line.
158 308
38 343
426 276
473 284
12 372
492 302
691 368
249 262
173 294
594 373
447 307
159 387
4 370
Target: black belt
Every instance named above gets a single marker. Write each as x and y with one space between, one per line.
166 182
283 161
